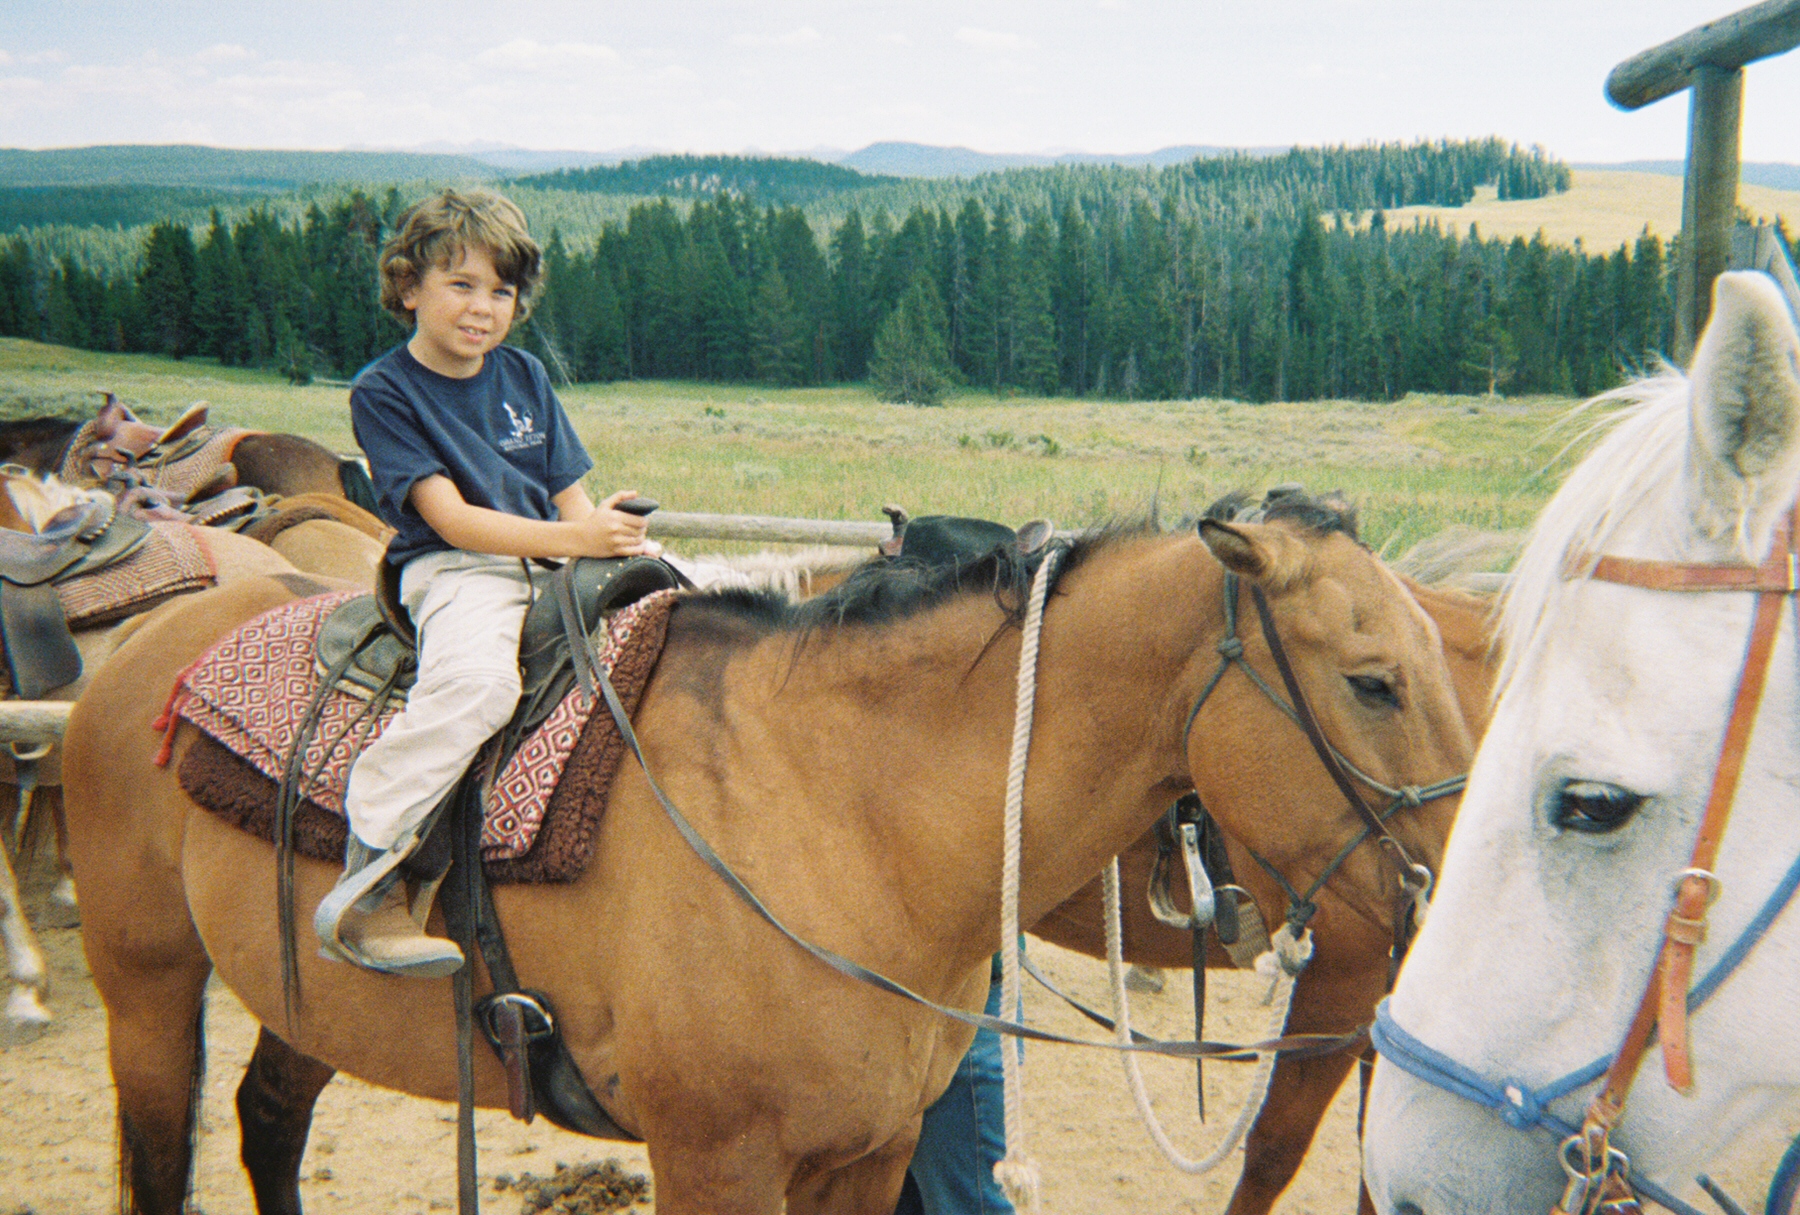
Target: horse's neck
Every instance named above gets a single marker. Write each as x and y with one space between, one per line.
1117 643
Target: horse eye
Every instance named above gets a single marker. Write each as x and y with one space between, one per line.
1374 691
1593 806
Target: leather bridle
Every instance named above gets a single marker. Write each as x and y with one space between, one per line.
1415 878
1597 1171
1598 1180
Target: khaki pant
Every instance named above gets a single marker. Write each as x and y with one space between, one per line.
469 609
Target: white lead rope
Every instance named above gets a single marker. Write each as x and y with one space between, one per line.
1282 964
1016 1172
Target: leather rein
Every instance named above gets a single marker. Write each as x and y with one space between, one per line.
1597 1171
594 682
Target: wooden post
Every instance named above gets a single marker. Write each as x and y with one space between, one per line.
1708 199
1710 60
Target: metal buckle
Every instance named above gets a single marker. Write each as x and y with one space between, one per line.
1585 1193
1714 887
533 1016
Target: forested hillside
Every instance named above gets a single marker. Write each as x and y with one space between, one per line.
778 181
1245 277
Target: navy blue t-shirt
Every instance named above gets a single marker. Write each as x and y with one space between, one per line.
501 436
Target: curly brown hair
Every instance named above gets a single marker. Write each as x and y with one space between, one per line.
441 229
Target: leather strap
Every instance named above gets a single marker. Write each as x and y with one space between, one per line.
1662 1012
1309 723
1780 573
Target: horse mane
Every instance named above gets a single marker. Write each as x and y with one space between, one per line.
1321 514
1644 428
38 500
887 592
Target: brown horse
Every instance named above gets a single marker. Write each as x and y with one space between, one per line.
272 462
24 499
325 534
849 765
1296 825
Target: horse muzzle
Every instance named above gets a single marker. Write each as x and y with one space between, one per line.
1427 1152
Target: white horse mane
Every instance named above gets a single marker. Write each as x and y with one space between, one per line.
1646 447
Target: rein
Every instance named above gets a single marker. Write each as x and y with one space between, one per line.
1598 1172
595 683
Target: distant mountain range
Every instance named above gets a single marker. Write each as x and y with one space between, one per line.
225 168
190 165
272 170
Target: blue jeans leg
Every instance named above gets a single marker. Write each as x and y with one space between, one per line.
964 1136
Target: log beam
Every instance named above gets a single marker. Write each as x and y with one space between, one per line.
1770 28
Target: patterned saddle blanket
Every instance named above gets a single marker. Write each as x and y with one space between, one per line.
250 693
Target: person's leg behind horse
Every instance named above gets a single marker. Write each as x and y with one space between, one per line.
964 1135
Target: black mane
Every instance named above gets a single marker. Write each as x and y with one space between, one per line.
884 592
887 591
1322 514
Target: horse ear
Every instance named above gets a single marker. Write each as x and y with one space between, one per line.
1257 551
1746 404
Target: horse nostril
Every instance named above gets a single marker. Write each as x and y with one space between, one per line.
1408 1208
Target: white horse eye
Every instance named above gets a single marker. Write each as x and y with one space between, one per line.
1374 691
1593 806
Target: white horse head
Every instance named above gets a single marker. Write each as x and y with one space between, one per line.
1586 797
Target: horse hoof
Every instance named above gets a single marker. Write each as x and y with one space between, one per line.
1146 979
26 1018
60 910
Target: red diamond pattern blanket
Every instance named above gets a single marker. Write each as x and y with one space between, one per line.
251 692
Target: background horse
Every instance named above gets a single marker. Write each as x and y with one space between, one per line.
233 558
1584 803
849 763
1300 820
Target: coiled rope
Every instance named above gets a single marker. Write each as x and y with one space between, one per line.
1016 1172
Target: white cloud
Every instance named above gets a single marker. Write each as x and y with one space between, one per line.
806 35
994 40
529 55
224 52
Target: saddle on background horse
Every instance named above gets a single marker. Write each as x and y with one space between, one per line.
34 628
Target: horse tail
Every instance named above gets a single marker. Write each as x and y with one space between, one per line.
357 486
135 1161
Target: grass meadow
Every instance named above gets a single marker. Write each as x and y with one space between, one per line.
1414 466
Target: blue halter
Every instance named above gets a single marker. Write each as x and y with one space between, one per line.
1522 1107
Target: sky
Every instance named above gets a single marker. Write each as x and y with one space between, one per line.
801 75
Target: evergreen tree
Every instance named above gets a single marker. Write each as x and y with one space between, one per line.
852 320
778 333
911 360
221 296
166 288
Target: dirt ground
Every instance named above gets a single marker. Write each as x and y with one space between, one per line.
375 1152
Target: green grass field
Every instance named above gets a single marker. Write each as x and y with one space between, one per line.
1414 467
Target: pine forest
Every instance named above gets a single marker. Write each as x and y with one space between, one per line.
1252 278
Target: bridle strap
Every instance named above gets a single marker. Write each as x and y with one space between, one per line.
1779 574
1662 1012
1309 724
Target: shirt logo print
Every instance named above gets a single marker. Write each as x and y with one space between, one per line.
524 429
